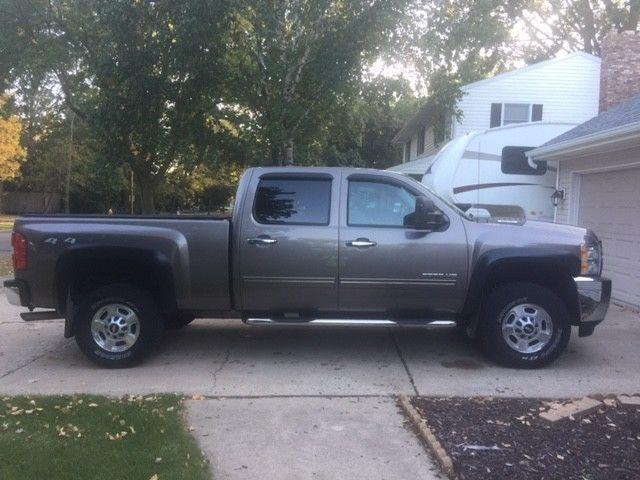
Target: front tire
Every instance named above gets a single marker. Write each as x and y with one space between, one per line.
524 325
117 325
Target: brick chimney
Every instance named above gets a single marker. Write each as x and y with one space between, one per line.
620 69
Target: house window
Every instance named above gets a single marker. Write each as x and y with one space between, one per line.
510 113
421 134
516 113
407 151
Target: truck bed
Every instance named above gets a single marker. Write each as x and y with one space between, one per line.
196 248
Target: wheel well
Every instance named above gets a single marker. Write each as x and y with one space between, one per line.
80 272
550 275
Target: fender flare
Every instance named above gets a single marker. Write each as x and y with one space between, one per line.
519 263
158 266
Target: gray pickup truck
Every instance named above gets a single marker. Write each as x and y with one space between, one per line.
312 246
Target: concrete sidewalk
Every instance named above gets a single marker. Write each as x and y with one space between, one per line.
304 438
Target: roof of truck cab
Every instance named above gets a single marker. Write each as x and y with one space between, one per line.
331 170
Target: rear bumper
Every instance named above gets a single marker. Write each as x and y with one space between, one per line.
594 295
17 292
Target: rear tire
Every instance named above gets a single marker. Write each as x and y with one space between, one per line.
117 326
524 325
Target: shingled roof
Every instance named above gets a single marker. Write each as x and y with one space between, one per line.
622 114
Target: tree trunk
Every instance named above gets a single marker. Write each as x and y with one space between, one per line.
1 196
147 190
275 157
288 152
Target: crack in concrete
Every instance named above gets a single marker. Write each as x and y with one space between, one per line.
33 360
404 362
223 364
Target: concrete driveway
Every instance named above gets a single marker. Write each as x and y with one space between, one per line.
225 358
312 403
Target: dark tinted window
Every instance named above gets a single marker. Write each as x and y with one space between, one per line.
496 115
515 162
536 112
293 200
378 204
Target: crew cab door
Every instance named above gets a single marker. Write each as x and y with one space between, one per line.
389 268
288 245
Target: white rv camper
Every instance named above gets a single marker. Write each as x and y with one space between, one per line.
488 174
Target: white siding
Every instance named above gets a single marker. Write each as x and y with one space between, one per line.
567 87
429 147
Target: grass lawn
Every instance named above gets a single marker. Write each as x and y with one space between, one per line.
87 437
6 266
6 222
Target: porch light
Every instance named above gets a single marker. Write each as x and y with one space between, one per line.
556 196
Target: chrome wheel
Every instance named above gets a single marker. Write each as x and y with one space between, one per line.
115 328
527 328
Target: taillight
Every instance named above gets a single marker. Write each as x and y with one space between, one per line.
19 244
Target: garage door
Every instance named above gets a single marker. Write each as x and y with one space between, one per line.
610 206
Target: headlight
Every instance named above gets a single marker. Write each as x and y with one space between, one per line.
591 257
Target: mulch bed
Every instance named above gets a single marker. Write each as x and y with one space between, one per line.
491 438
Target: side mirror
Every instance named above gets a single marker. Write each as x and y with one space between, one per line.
426 216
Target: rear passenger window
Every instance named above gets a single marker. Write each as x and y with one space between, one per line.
299 201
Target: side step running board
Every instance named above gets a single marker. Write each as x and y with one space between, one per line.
46 315
351 322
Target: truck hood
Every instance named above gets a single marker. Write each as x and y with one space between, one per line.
529 233
555 228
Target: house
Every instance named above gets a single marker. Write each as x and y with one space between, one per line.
598 177
563 89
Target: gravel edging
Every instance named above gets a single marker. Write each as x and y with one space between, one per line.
428 436
488 437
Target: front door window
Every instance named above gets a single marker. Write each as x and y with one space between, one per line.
378 204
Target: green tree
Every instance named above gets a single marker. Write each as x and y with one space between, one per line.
573 25
360 131
456 42
293 60
144 76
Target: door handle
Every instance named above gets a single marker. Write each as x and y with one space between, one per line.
262 241
361 243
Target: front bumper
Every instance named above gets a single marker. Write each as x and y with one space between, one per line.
17 292
594 295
